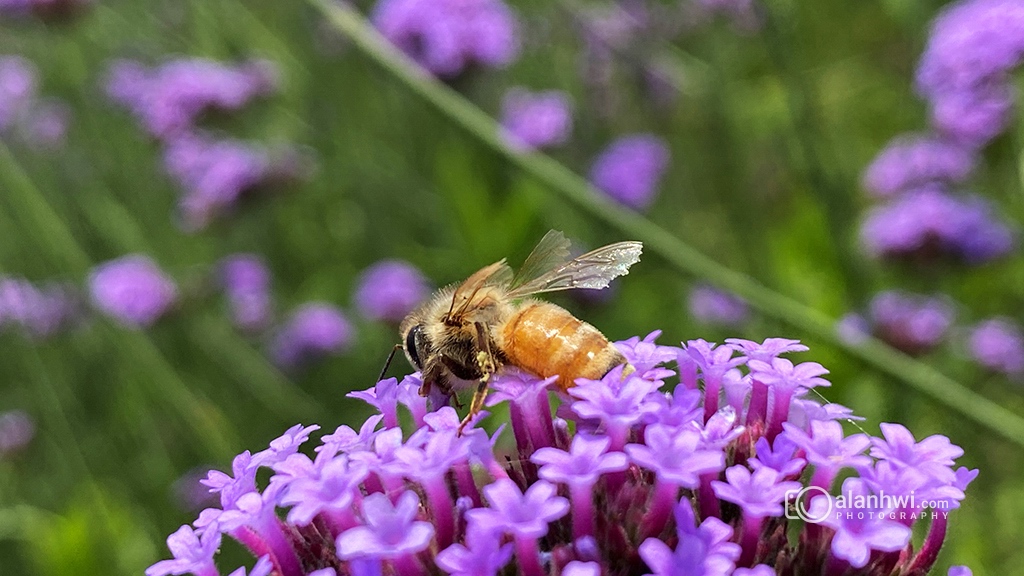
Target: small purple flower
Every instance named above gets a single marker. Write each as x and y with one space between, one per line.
587 459
853 328
933 456
246 282
482 555
511 511
959 571
214 175
390 530
577 568
998 345
535 120
40 312
765 351
703 550
447 36
913 324
779 456
617 404
630 169
193 553
45 125
828 449
332 489
18 83
927 222
314 329
17 429
675 456
758 494
132 290
646 355
711 306
170 98
389 290
911 161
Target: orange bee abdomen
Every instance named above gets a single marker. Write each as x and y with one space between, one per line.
547 340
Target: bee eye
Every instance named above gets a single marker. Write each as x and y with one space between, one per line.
413 338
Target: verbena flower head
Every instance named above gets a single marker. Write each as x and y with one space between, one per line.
912 161
39 311
911 323
998 345
389 290
649 482
246 282
712 306
214 174
315 329
169 99
630 169
926 224
132 290
531 120
973 46
447 36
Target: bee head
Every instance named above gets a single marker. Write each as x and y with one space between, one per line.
416 346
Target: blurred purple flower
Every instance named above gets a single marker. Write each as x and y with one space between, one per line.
17 429
630 169
446 36
246 282
389 290
46 124
712 306
18 83
911 161
973 46
170 98
39 311
535 120
911 323
314 329
215 174
132 290
853 328
998 345
926 223
190 494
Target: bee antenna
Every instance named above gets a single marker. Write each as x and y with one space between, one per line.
388 363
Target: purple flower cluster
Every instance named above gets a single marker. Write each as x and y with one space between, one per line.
213 172
973 46
712 306
40 122
536 120
314 329
911 323
998 345
132 290
389 290
38 311
963 73
928 223
699 480
447 36
630 169
170 98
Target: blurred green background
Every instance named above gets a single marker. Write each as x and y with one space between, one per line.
769 132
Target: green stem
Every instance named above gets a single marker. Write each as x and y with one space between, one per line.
658 240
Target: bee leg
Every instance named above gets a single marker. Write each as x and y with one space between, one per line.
487 365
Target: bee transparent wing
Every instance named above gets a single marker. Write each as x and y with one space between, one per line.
497 274
593 270
551 252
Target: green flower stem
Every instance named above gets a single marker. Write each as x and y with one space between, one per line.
660 241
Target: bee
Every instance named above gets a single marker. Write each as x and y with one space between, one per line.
467 332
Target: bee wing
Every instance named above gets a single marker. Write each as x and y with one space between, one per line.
551 252
593 270
496 274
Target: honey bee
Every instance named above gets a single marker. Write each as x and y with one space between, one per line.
467 332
